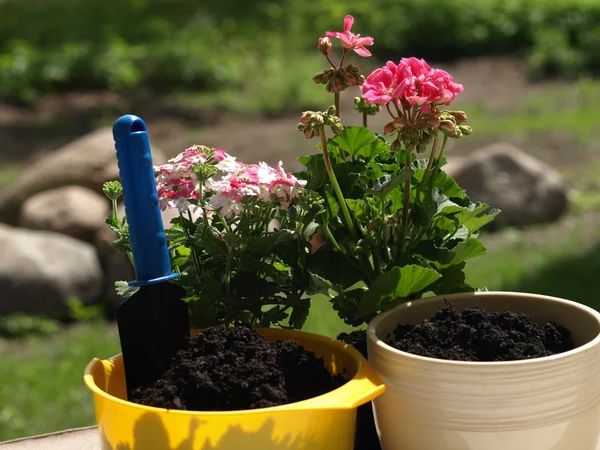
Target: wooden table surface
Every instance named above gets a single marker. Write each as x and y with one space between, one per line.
76 439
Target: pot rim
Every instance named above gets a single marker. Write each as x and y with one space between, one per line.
362 388
372 331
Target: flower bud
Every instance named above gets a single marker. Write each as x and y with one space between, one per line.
360 79
460 116
334 85
421 147
324 77
396 145
309 132
337 128
352 69
318 120
331 111
465 130
306 117
324 45
113 190
447 125
349 79
433 121
389 129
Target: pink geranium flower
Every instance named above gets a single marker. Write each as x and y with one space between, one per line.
410 82
351 41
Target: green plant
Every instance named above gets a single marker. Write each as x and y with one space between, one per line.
370 221
394 225
239 243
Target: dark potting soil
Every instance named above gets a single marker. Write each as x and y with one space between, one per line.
477 335
366 437
235 368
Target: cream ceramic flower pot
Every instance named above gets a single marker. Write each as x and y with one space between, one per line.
550 403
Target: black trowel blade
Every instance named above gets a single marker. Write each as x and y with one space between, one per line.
153 325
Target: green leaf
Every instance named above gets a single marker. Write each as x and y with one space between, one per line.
384 185
267 243
346 304
309 230
334 267
317 285
332 204
206 238
124 290
398 283
300 313
316 168
441 257
363 210
452 281
251 264
396 201
474 221
447 184
354 138
470 248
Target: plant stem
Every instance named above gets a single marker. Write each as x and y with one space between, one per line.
336 99
330 62
365 119
228 272
434 172
195 258
328 235
431 155
406 208
115 215
343 56
334 182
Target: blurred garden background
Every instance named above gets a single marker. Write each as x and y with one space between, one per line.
237 74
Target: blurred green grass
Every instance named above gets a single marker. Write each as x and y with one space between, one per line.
41 379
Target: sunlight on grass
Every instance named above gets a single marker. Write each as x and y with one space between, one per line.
560 260
41 379
571 108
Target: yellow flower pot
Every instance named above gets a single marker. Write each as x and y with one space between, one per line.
326 422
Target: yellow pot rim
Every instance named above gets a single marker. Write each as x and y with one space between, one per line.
363 387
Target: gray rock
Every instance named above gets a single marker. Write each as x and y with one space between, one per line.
89 162
40 270
72 210
525 189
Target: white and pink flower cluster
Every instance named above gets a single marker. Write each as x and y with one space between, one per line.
411 82
179 187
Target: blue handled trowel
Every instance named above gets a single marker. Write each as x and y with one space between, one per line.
154 322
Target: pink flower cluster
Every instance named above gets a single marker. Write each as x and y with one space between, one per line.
411 82
176 182
261 181
349 40
178 186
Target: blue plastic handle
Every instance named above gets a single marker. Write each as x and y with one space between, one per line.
146 231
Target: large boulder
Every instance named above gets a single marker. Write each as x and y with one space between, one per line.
72 210
41 270
89 162
525 189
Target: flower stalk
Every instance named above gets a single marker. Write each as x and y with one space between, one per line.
335 184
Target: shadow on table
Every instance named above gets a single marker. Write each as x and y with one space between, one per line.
151 434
